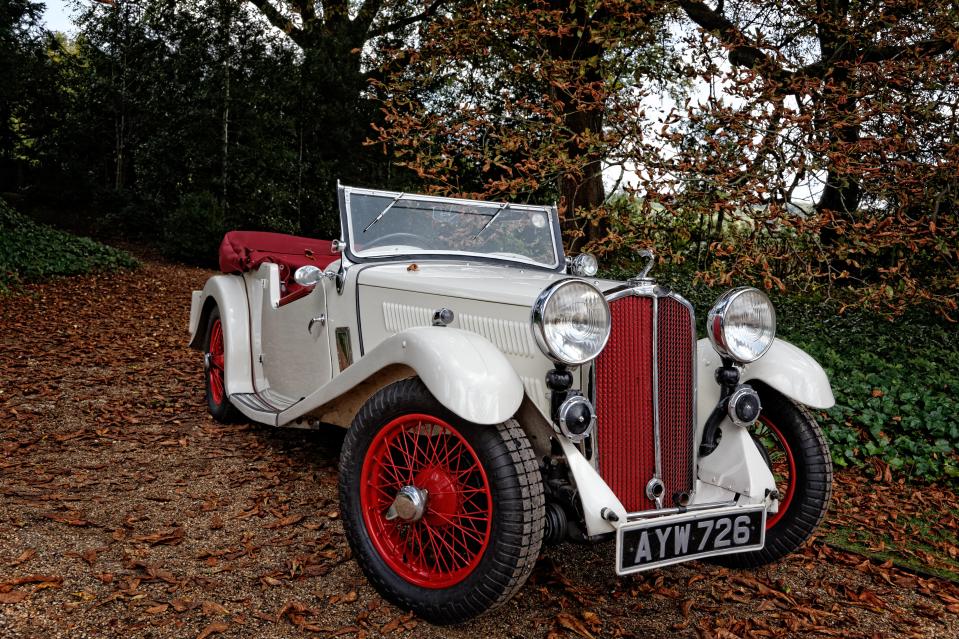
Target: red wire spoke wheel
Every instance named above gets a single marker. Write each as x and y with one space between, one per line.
217 401
794 448
215 372
781 462
444 516
444 544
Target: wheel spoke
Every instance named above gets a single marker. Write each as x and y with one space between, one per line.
445 545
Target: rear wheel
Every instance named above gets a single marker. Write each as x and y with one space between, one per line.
217 401
795 450
444 516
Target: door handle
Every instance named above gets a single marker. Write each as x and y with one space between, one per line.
320 319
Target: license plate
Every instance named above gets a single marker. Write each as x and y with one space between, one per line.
676 538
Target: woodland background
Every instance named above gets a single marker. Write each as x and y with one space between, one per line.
808 147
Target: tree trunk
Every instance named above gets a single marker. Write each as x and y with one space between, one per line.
841 193
581 188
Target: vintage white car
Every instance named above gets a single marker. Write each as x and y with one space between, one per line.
499 396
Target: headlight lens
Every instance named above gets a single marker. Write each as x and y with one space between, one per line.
570 322
742 324
585 265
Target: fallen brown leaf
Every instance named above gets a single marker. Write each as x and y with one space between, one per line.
24 557
12 597
213 629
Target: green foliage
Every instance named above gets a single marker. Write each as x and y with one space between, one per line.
895 384
194 229
31 251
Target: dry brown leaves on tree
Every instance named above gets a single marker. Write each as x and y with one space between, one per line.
127 512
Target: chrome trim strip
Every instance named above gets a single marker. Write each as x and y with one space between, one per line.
657 435
648 514
591 393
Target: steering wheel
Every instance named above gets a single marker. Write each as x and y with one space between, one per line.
390 238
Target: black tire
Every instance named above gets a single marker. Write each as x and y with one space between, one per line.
217 401
513 506
805 510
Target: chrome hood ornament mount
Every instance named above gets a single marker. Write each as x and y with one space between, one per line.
644 278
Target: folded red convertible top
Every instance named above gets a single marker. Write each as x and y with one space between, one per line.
245 250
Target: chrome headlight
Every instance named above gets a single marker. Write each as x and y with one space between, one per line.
570 322
584 265
742 324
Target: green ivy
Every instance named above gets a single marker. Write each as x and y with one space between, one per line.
895 383
34 252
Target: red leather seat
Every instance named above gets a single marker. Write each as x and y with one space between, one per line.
242 251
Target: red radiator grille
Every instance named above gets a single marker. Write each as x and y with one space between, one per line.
624 400
675 363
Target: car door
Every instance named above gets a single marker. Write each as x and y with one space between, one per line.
292 346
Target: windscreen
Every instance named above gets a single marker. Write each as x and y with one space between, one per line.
384 224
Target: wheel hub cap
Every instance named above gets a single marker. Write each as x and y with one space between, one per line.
409 505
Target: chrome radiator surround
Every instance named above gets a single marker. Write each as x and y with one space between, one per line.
636 501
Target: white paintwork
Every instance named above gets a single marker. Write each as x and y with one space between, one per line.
786 368
228 293
476 281
290 361
594 493
736 466
794 373
464 371
384 311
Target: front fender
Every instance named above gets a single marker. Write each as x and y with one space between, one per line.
464 371
786 368
736 465
794 373
226 292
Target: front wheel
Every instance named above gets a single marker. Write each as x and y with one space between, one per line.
444 516
795 450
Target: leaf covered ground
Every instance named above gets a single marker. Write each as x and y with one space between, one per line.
127 512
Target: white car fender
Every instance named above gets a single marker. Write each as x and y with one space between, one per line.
227 292
736 465
464 371
794 373
786 368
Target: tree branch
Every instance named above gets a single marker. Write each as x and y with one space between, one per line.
932 47
279 20
740 53
428 12
367 14
307 10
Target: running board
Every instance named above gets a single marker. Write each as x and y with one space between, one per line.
263 407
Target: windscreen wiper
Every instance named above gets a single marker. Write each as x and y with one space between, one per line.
383 212
492 218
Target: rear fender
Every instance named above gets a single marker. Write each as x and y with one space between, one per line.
464 371
228 293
